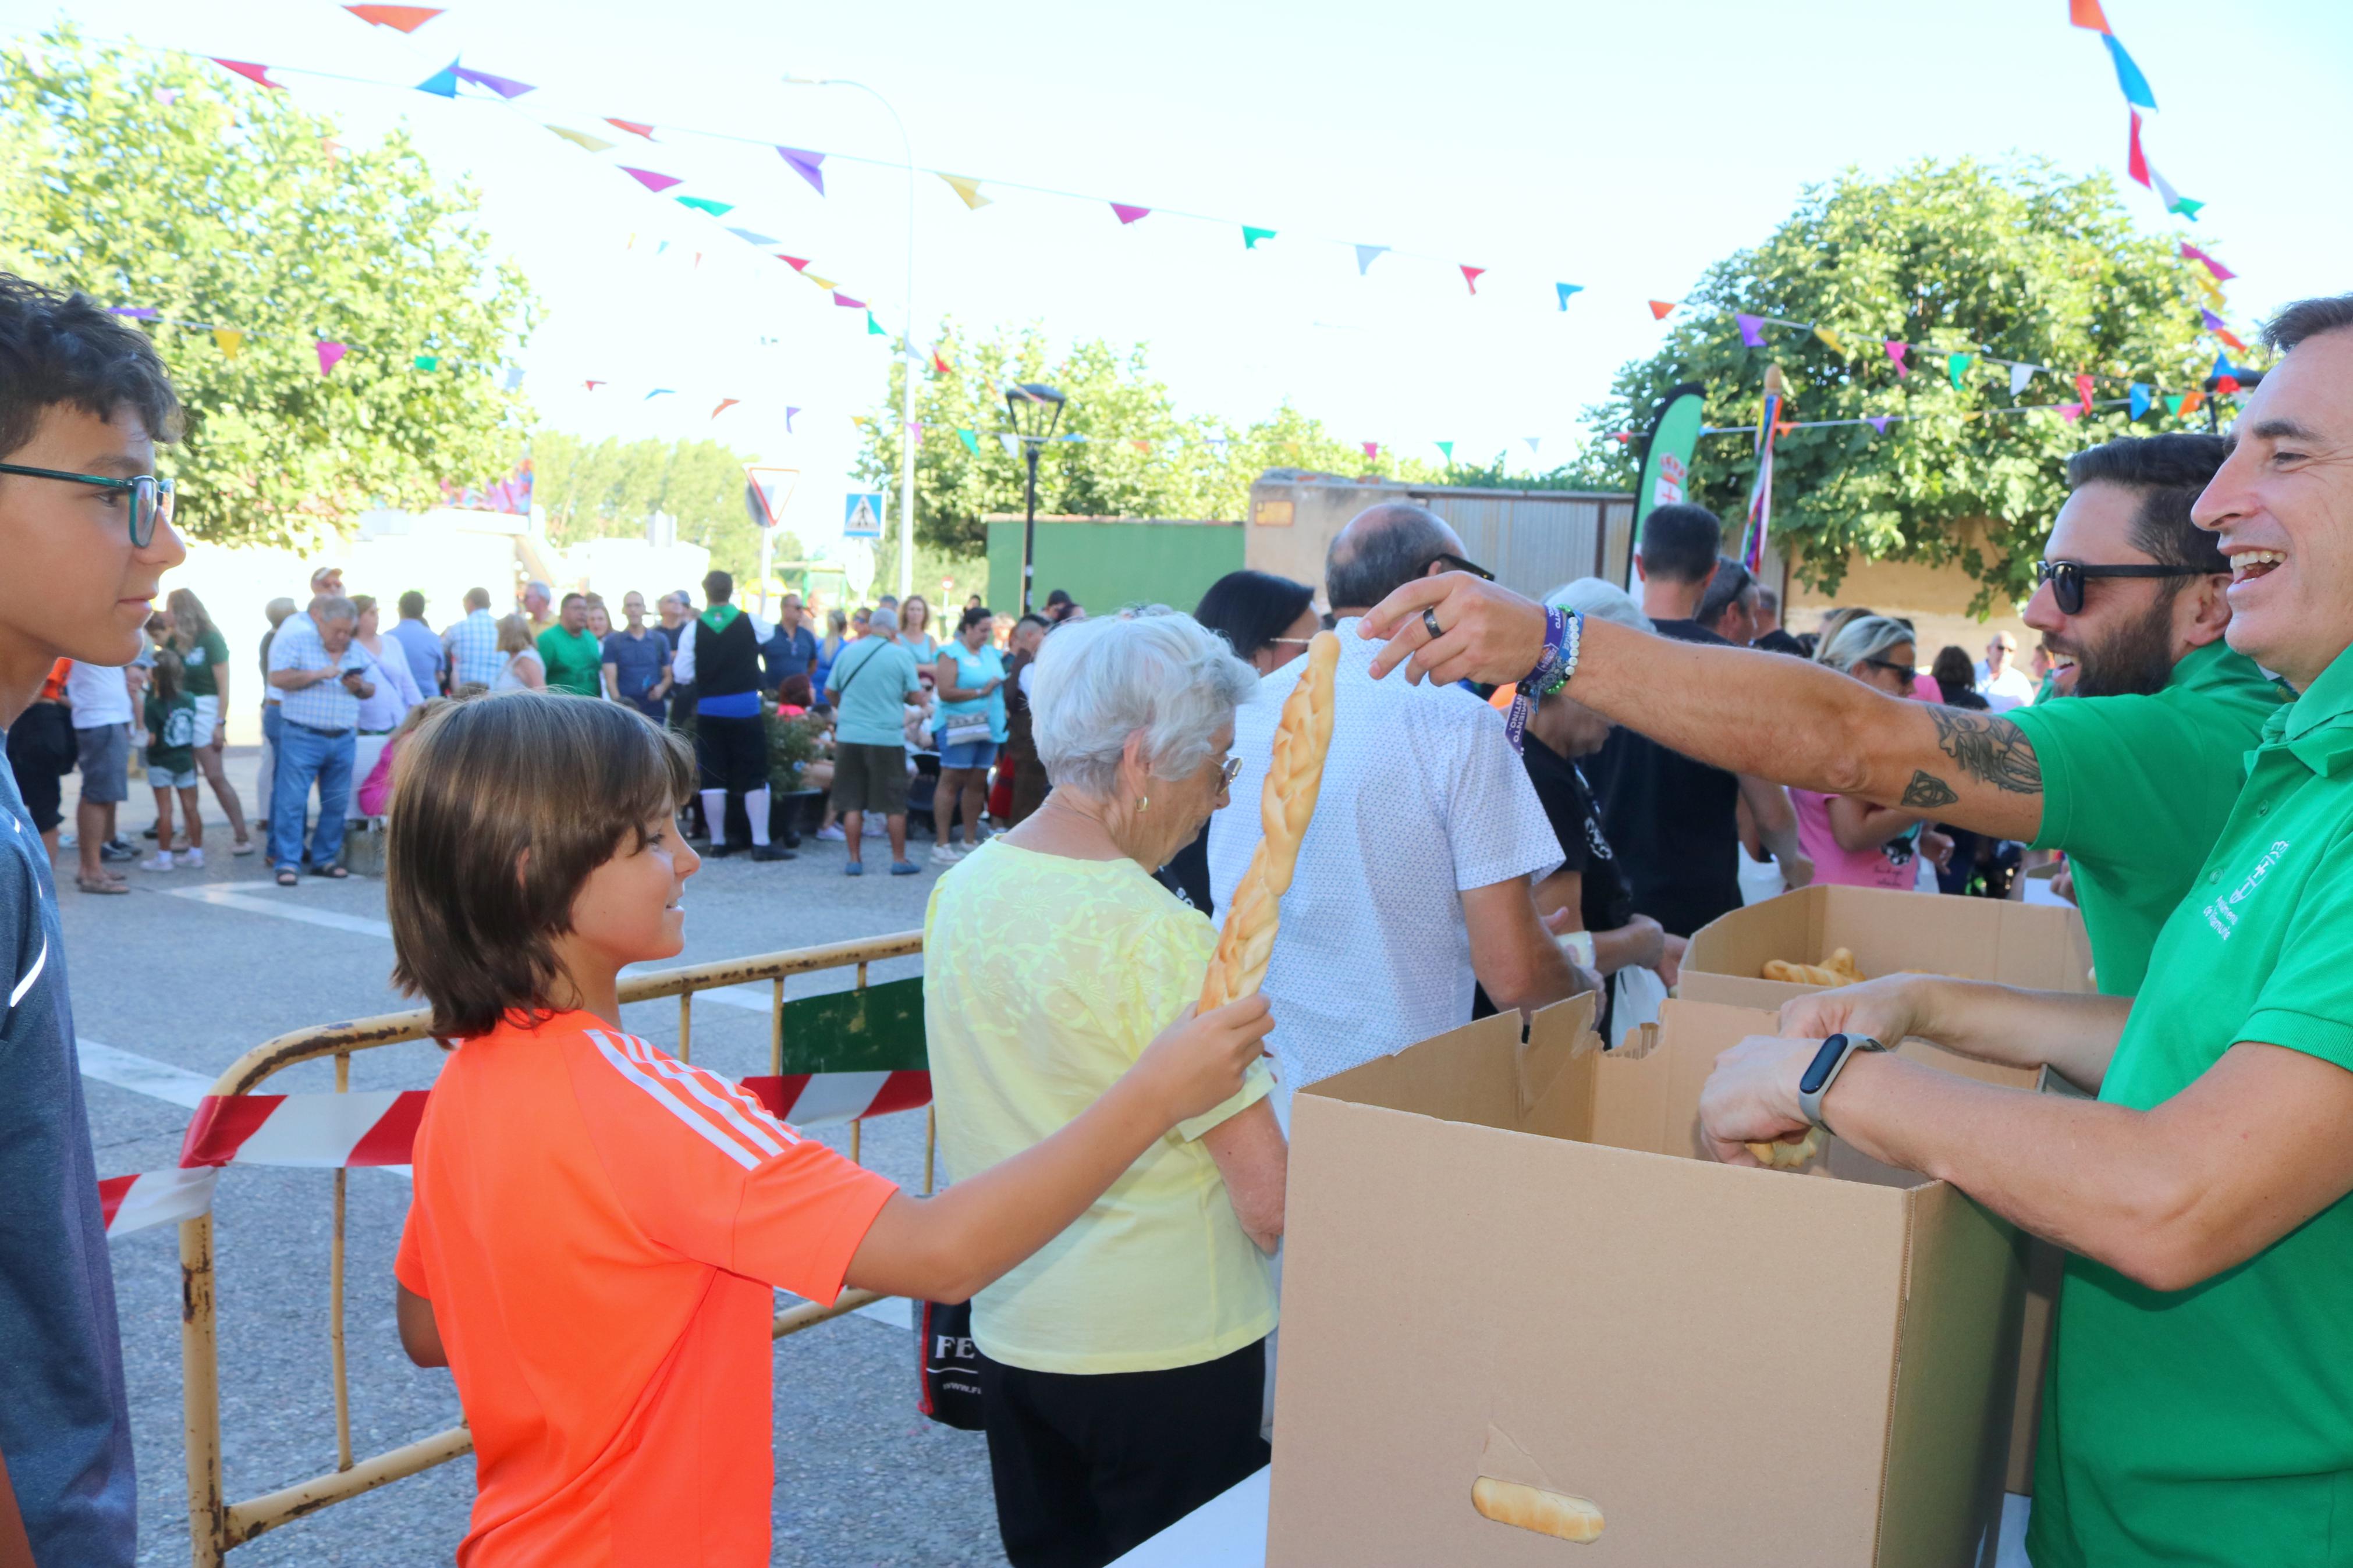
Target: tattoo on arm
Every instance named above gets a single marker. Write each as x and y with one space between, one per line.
1927 791
1991 751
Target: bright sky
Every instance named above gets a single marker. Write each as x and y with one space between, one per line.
1620 147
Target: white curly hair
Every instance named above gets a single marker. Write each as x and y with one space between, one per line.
1151 671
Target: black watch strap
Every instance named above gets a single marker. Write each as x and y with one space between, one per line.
1824 1069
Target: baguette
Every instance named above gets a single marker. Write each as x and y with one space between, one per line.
1778 1156
1532 1507
1839 969
1293 777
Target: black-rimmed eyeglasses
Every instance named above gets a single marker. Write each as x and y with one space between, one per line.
2067 578
149 498
1454 562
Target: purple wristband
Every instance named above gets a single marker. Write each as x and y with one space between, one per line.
1533 685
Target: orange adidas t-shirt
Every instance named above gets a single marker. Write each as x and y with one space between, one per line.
599 1228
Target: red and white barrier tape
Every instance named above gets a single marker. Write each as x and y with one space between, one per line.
335 1132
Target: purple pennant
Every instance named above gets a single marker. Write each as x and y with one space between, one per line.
1877 422
136 312
789 412
505 87
1752 330
2212 323
808 165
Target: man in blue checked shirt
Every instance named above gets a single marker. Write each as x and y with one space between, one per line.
322 679
473 643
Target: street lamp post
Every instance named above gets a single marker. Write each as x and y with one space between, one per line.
906 339
1036 409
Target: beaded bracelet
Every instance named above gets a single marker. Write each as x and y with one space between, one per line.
1564 637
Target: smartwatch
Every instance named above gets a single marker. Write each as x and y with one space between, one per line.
1824 1069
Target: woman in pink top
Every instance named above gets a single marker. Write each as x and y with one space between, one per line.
1853 843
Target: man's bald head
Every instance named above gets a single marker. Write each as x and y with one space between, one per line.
1382 549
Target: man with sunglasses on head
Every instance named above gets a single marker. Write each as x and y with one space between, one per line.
2132 777
85 537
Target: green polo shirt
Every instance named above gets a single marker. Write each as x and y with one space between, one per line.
2135 790
2214 1426
574 660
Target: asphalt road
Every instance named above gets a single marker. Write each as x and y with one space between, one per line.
173 983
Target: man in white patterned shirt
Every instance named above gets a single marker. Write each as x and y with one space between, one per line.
320 679
1416 874
473 643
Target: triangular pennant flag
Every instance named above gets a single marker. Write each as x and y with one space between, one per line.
2129 81
826 284
940 363
1129 214
650 179
1139 443
2231 338
249 71
505 87
1895 352
2191 401
592 385
1752 329
2135 161
873 327
2175 202
2173 403
229 340
2083 391
749 237
1372 448
1251 236
635 128
861 419
1831 340
1953 365
724 404
2071 412
581 138
2208 287
399 18
136 312
2191 253
706 205
1011 443
1662 308
2087 13
789 412
1533 441
1971 414
846 302
426 362
1566 289
968 189
809 166
2225 379
1471 276
2020 375
1877 422
797 263
2139 394
971 441
661 392
442 83
1369 254
513 377
1446 449
329 354
2210 321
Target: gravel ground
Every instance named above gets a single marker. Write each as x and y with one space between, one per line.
861 1478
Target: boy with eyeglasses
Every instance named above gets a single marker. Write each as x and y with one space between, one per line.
86 531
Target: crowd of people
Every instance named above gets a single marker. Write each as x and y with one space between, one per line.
1116 1210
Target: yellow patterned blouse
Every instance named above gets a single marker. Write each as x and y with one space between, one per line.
1044 979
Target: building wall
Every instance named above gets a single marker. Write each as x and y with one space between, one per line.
1934 599
1106 563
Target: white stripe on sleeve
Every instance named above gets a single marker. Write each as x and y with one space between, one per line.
703 1127
713 1091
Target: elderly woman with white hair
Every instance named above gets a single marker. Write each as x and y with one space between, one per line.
1123 1366
1853 843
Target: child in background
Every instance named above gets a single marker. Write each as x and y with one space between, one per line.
171 715
598 1229
374 793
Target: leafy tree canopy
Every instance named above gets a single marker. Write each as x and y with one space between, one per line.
606 489
152 181
2035 266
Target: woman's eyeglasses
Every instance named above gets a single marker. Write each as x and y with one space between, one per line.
1226 771
2067 578
151 498
1892 667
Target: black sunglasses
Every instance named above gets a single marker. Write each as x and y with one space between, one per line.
1456 563
149 498
2067 578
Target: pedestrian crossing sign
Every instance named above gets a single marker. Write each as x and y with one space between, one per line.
861 515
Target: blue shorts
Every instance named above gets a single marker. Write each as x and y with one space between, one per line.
978 755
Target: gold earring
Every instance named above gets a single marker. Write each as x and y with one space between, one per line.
1143 803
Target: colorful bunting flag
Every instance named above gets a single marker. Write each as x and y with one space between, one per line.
661 392
399 18
329 353
2129 81
2191 253
2208 287
706 205
2173 403
1831 340
2069 413
1446 450
2087 13
826 284
1566 289
2139 396
2224 379
2175 202
748 237
633 127
1662 308
1369 254
2135 161
2191 401
724 404
249 71
1953 365
1471 276
592 385
505 87
1372 448
442 83
426 362
846 302
514 378
229 340
968 189
1895 352
789 412
1533 442
797 263
1140 444
873 327
2020 375
1011 443
650 179
1752 329
1251 236
2083 391
939 363
582 139
1128 215
971 441
809 166
1877 422
136 312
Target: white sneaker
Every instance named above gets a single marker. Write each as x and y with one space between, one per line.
193 858
162 861
831 834
945 855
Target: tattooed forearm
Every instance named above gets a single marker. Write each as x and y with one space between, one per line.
1991 751
1926 791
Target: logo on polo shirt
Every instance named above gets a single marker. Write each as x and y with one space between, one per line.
2223 913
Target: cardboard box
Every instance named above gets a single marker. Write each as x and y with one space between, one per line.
1515 1260
1973 939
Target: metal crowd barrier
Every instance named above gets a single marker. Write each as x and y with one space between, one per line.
857 1030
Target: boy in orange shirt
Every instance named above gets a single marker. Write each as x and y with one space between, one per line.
598 1229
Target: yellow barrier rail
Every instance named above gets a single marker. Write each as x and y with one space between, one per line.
216 1526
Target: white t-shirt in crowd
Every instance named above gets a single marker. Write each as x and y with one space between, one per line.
98 695
1423 799
2011 688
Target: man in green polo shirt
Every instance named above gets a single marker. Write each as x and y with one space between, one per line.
574 658
2199 1406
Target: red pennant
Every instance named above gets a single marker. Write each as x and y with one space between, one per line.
2137 161
1660 309
2087 13
2230 337
249 71
632 127
797 263
2227 384
1128 214
939 363
2083 391
724 404
399 18
592 385
1471 276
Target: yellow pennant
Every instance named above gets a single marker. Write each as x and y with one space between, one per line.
230 341
1831 340
581 138
826 284
968 188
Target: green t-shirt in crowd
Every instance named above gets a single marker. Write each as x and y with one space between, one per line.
872 682
574 660
171 733
2135 790
201 664
2214 1426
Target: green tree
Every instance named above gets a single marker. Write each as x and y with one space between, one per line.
156 182
606 489
2033 265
